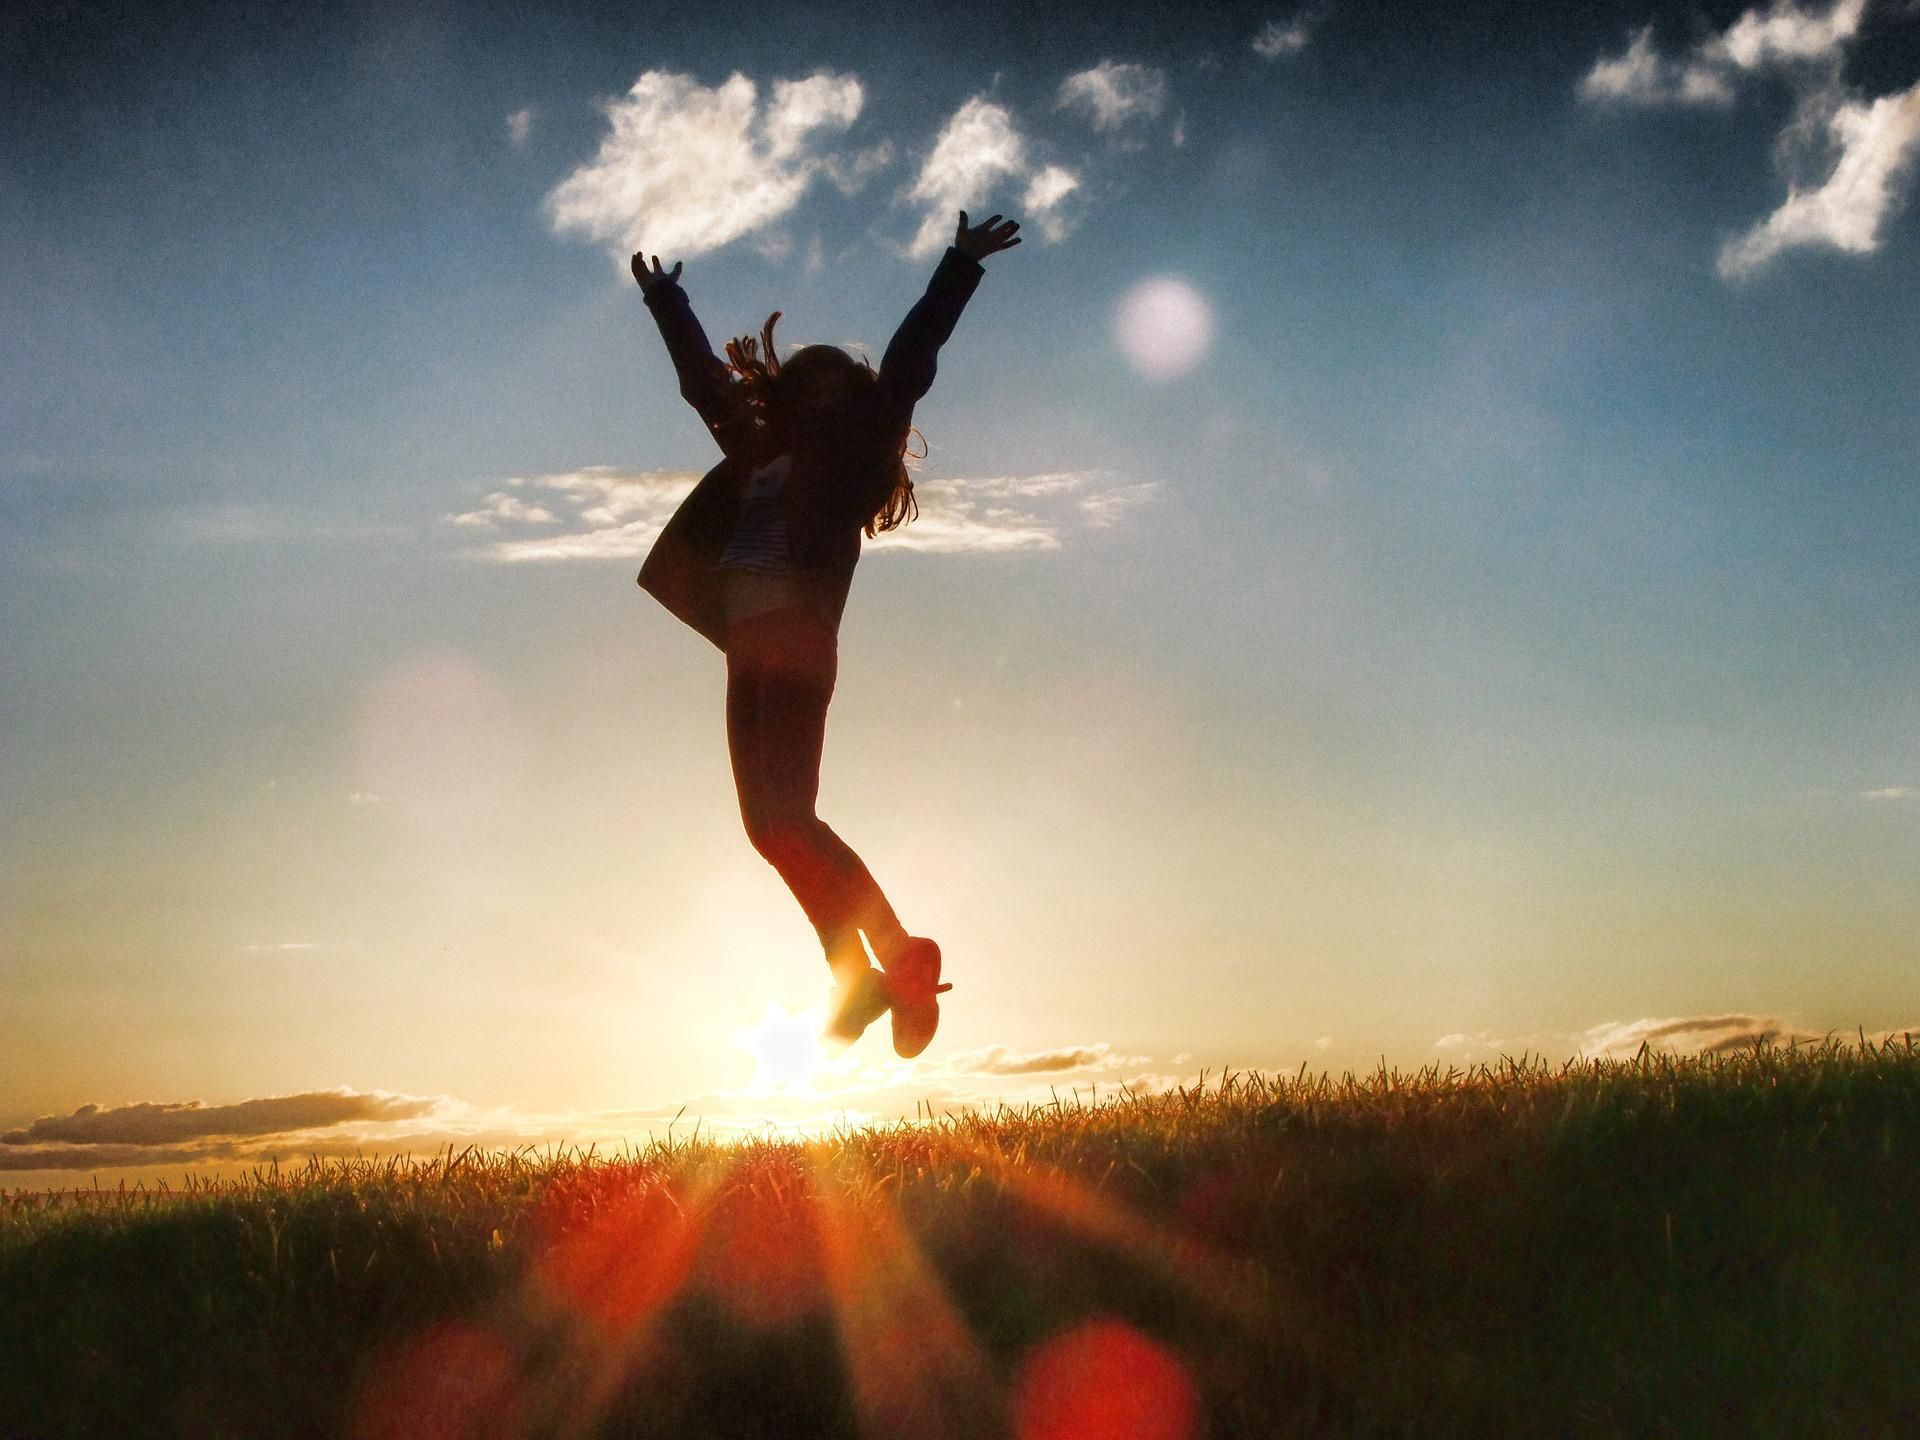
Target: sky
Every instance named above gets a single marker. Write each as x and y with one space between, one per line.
1418 560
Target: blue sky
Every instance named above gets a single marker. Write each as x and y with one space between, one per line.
1467 610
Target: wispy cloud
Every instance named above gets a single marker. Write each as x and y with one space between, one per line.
1892 792
1284 37
1481 1045
684 168
1109 507
1001 1060
607 512
850 174
1847 158
1113 95
1640 75
502 508
1691 1035
603 512
998 513
1783 36
519 127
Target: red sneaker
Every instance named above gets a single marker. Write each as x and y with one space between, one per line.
913 986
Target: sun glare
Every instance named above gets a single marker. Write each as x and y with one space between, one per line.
786 1049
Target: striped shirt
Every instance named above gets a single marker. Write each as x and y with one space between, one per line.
760 533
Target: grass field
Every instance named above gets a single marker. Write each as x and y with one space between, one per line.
1721 1246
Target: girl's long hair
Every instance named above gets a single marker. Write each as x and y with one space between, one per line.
757 364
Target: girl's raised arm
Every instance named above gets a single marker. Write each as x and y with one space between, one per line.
705 382
908 367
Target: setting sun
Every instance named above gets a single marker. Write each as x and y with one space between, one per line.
787 1050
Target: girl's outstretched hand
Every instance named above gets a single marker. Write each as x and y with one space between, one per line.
656 276
977 242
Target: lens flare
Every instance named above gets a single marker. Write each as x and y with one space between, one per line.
1104 1380
1164 327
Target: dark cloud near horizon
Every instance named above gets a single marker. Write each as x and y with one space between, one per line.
150 1124
109 1157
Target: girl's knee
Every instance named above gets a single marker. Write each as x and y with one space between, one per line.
778 834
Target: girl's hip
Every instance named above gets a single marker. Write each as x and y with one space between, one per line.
793 641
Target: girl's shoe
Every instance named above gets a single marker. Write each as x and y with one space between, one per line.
913 988
859 998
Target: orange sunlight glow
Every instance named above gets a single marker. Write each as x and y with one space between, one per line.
787 1050
777 1235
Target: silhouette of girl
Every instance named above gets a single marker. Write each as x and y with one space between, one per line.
759 559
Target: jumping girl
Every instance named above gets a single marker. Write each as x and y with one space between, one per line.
759 559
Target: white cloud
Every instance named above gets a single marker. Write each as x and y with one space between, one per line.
951 525
1876 144
684 169
1045 191
1863 148
1892 792
996 513
1283 37
1786 34
1112 95
611 513
978 148
961 516
981 148
519 127
1632 75
1640 76
1783 36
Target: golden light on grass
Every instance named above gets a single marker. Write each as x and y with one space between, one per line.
1272 1256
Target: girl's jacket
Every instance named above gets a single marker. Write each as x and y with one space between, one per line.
843 467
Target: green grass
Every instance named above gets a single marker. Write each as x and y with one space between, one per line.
1724 1246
